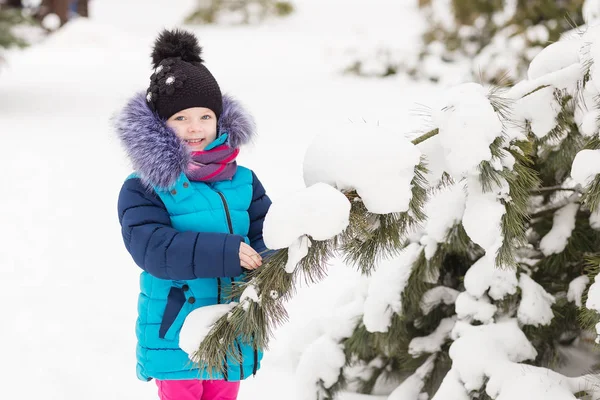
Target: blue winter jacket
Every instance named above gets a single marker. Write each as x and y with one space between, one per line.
185 236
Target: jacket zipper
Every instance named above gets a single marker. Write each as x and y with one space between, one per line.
255 366
230 225
226 211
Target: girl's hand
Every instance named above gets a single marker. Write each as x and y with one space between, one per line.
249 258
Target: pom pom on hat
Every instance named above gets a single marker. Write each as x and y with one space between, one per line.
176 43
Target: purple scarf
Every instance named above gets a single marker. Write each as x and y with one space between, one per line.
212 165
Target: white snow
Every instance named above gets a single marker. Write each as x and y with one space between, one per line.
430 246
378 162
334 326
437 295
411 387
535 307
554 57
540 109
484 275
435 159
469 308
589 123
319 211
322 360
537 33
565 78
467 126
538 384
480 351
576 288
442 13
250 294
341 321
591 11
444 209
451 388
51 22
563 223
586 166
296 252
595 219
593 300
482 219
502 17
198 324
434 341
591 37
384 297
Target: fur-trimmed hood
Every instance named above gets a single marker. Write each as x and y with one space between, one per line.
156 153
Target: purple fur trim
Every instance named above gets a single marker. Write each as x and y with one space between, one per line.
237 122
156 153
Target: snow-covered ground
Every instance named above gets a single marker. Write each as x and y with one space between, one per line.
68 288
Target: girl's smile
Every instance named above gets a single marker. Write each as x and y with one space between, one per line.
196 126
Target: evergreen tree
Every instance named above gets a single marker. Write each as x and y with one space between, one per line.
491 41
541 274
479 240
238 11
9 19
13 17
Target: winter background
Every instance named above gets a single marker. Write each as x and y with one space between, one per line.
68 287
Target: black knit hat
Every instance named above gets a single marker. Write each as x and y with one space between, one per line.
180 80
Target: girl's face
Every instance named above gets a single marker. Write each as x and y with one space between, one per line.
196 126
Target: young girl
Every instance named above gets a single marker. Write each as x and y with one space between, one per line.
191 218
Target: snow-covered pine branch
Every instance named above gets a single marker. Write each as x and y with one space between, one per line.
485 156
386 198
487 152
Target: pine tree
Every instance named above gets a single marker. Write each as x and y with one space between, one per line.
240 11
541 273
9 19
478 255
491 41
13 17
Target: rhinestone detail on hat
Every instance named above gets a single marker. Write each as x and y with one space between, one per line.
160 84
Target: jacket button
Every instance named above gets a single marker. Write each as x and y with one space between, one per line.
173 192
191 300
185 288
186 185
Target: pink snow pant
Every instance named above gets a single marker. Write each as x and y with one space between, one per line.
196 389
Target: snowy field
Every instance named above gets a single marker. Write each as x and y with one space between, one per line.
68 288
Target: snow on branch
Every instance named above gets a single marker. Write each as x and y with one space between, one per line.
322 362
491 355
556 240
434 341
576 288
484 275
366 188
535 307
586 166
198 324
468 125
384 297
482 219
376 162
319 211
444 209
437 295
412 386
471 309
